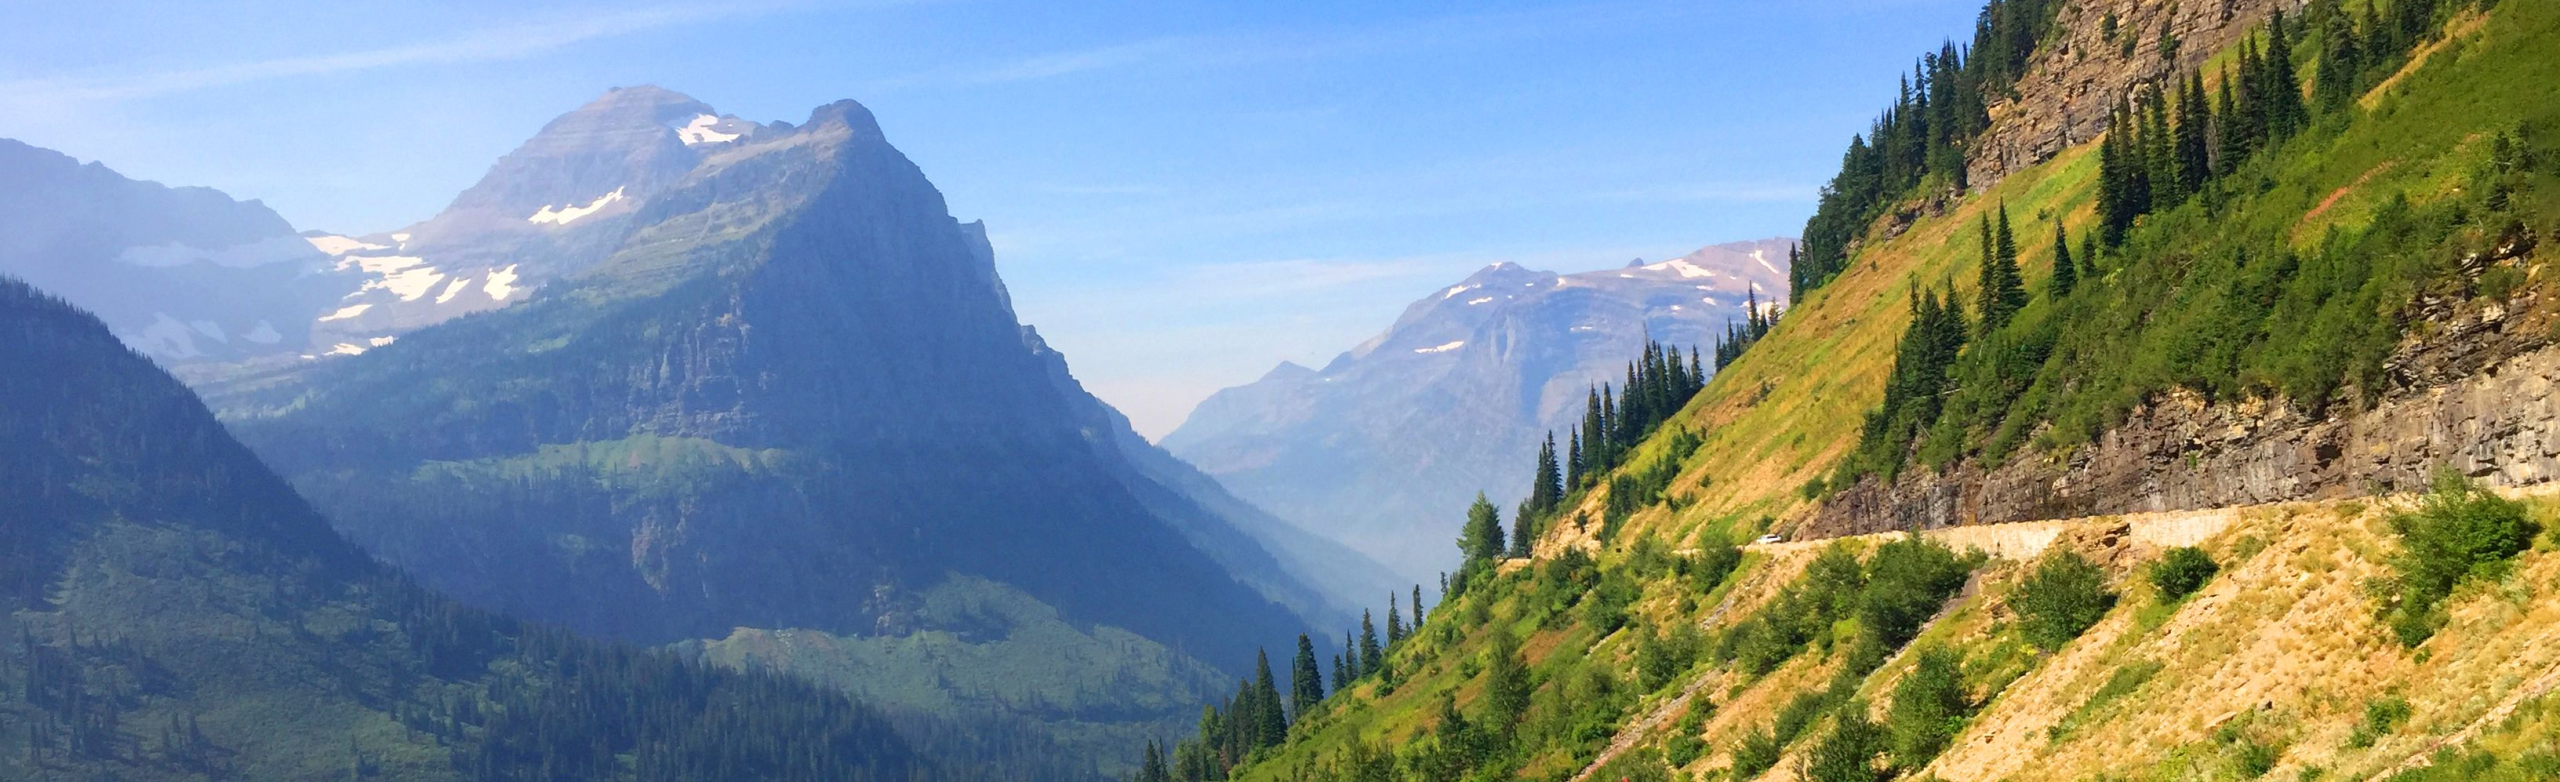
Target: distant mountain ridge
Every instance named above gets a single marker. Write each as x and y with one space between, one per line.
1382 448
184 274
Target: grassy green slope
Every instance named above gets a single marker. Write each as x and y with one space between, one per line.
1789 411
976 651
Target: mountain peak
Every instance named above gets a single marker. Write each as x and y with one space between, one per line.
1287 370
1502 272
649 96
627 138
848 113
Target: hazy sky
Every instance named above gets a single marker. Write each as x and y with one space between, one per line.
1181 195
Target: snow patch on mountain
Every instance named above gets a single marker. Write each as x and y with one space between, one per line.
346 312
1473 302
165 337
564 215
405 276
264 334
1442 348
334 245
1683 267
700 131
1458 290
502 283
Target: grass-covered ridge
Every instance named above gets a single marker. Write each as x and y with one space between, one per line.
1652 649
2287 273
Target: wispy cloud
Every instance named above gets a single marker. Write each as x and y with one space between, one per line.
493 44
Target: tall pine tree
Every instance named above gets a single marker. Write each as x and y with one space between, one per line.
2286 114
1372 657
2341 58
1306 685
2066 273
1480 541
2002 291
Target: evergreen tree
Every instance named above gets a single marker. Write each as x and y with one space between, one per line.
1153 770
1574 460
1395 623
1306 684
1341 677
1417 607
2225 155
2002 291
1480 542
1351 654
1547 488
2160 150
1524 533
2194 149
1595 431
1372 658
2247 127
2066 273
1506 683
2111 183
2341 58
2286 114
1270 726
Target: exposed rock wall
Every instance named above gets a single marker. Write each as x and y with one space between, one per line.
2475 394
2082 72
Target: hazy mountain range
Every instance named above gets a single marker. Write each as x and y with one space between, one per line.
668 376
1382 448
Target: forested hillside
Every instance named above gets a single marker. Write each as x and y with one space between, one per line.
2335 214
176 612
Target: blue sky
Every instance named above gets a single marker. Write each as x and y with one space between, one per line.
1181 194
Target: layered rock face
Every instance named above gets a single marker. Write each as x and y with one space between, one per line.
1383 448
2084 71
2475 397
793 390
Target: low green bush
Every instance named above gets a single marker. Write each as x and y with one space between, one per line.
2062 598
2460 532
2182 571
1929 708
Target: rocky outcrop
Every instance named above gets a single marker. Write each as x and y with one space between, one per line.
2474 394
2087 67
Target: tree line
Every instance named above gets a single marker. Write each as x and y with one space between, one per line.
2189 301
1922 137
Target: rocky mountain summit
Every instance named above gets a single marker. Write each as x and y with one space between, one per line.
1382 449
197 279
783 388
